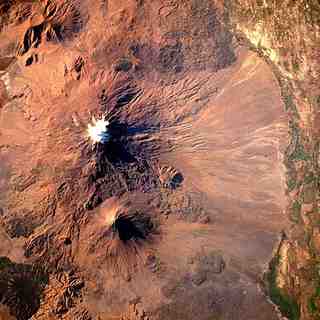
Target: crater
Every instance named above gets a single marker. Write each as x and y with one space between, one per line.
21 287
135 226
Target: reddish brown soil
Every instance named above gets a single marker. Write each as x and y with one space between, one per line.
199 133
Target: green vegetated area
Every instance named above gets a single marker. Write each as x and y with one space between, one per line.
287 305
279 20
313 303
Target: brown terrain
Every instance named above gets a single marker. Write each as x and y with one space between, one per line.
203 204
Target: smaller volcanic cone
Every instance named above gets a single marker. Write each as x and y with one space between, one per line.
128 231
121 235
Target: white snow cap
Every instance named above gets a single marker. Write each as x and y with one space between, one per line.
98 131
